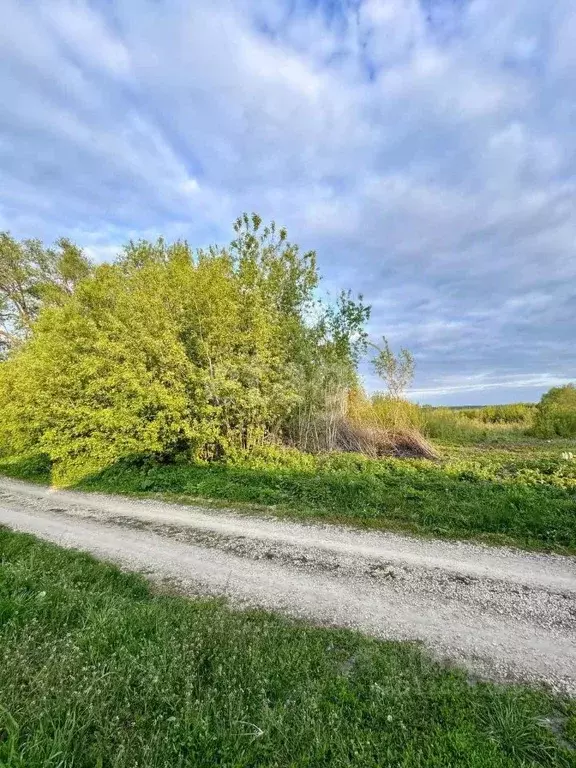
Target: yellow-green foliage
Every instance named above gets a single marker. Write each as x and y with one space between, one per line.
171 352
512 413
382 411
554 416
556 413
476 425
449 425
396 413
458 425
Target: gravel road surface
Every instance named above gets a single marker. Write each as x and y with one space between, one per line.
502 613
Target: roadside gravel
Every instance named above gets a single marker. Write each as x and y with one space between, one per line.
503 613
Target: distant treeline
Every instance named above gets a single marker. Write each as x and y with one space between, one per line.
509 413
554 416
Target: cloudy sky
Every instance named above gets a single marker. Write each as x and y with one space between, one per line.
425 148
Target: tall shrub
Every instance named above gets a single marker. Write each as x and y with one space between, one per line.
173 352
556 413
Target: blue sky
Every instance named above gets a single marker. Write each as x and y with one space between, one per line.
425 148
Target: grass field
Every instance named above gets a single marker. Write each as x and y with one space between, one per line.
97 670
522 494
500 424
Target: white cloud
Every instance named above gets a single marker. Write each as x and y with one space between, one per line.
471 386
87 34
425 148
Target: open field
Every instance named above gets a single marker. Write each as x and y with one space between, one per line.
98 670
522 494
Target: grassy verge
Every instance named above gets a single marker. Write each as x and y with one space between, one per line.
97 670
524 497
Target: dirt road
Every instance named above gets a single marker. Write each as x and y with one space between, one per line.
503 613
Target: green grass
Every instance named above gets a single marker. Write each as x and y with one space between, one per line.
457 428
524 497
97 670
485 425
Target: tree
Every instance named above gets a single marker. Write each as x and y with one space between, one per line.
32 277
397 371
556 413
170 352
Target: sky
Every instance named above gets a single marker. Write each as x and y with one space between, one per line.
426 149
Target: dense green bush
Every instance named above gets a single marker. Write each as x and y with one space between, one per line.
174 353
512 413
445 425
450 426
556 413
396 413
468 426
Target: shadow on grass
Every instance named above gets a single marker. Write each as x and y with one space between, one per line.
415 497
36 468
